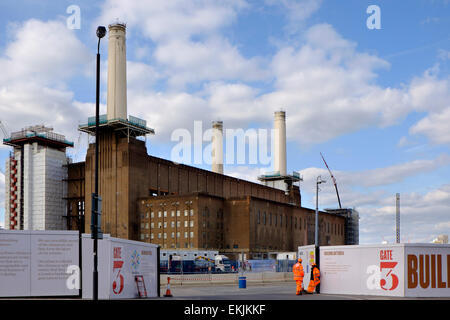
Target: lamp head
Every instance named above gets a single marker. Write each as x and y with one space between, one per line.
101 32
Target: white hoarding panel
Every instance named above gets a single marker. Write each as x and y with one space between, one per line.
365 270
120 262
427 270
15 264
308 255
87 246
130 259
35 263
52 253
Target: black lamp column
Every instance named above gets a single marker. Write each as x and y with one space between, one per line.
96 207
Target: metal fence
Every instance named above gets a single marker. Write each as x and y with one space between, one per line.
203 267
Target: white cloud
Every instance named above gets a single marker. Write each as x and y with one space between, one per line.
37 63
435 126
163 20
212 59
245 173
297 11
47 52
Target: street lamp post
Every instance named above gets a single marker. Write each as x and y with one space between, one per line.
101 32
316 228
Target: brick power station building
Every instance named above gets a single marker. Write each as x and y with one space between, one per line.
178 206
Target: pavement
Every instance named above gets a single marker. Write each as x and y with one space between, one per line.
270 291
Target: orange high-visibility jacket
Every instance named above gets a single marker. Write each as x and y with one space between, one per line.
297 269
316 274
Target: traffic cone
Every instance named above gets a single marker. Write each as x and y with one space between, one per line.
168 293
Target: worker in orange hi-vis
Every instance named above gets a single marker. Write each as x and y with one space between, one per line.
297 269
314 283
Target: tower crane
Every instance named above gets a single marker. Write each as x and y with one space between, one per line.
3 128
334 181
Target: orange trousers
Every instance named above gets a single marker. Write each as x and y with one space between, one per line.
299 285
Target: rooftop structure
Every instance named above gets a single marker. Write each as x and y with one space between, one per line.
41 134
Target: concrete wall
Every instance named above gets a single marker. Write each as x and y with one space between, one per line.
44 187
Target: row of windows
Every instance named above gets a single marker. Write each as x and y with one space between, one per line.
275 222
333 228
164 235
165 224
165 214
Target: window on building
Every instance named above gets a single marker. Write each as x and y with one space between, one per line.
191 224
172 235
142 225
172 224
159 214
185 234
165 235
159 235
178 224
165 224
152 225
146 214
146 236
258 221
264 218
172 213
191 234
165 214
146 225
159 224
178 213
152 214
192 213
142 236
151 236
178 234
185 224
186 213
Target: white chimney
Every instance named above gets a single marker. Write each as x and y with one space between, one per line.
280 143
117 73
217 147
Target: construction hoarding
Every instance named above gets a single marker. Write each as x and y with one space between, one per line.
120 263
308 256
402 270
39 263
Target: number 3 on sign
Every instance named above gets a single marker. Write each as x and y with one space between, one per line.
391 266
118 286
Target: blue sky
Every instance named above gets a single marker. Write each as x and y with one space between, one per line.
374 102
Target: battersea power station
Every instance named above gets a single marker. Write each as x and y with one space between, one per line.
150 199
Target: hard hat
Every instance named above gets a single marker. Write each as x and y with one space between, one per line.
299 260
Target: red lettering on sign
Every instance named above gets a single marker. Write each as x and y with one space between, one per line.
386 255
389 265
118 253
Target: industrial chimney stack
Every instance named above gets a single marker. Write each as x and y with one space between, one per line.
117 73
217 147
280 143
